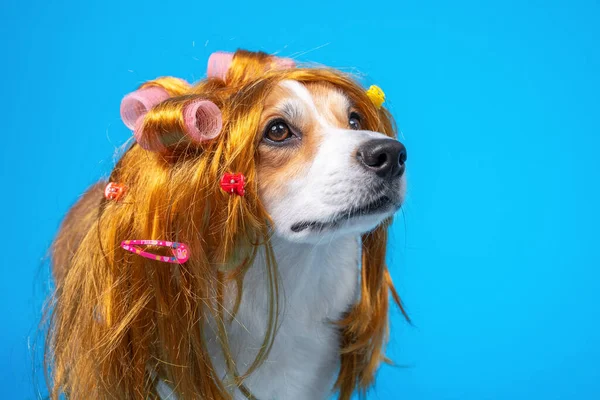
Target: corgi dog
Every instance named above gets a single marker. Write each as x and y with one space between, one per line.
274 187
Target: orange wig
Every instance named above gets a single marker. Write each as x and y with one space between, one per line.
119 321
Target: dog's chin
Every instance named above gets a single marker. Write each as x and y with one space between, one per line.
355 220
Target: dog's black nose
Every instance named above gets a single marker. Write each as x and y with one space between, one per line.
385 157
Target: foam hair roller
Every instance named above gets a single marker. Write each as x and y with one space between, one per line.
218 64
202 120
220 61
136 104
284 63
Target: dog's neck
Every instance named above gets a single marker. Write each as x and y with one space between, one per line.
318 283
322 276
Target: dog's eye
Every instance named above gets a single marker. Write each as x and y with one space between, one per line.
354 121
278 131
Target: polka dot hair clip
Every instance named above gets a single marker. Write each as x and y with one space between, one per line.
180 250
114 191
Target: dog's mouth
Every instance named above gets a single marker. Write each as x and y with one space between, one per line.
380 205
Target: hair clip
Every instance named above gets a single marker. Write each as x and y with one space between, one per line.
234 183
180 250
114 191
376 95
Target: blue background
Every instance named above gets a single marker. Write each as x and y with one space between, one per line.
496 252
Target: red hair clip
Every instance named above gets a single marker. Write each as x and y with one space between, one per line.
114 191
233 183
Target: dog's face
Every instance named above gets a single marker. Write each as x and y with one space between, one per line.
320 174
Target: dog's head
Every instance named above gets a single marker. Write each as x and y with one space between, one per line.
322 169
319 155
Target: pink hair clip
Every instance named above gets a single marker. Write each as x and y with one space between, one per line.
180 250
114 191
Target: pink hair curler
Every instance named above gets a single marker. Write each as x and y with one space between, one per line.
220 61
284 63
218 64
202 120
136 104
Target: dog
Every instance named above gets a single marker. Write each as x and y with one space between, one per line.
279 184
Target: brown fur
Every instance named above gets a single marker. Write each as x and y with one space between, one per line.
280 165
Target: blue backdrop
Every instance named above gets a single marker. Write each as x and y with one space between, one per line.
496 252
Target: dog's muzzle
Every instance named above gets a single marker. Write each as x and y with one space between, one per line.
385 157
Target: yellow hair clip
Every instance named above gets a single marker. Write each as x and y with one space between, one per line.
376 95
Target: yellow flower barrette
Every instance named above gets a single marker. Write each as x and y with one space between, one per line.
376 95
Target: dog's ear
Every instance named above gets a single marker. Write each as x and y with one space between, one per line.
178 121
220 62
136 105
